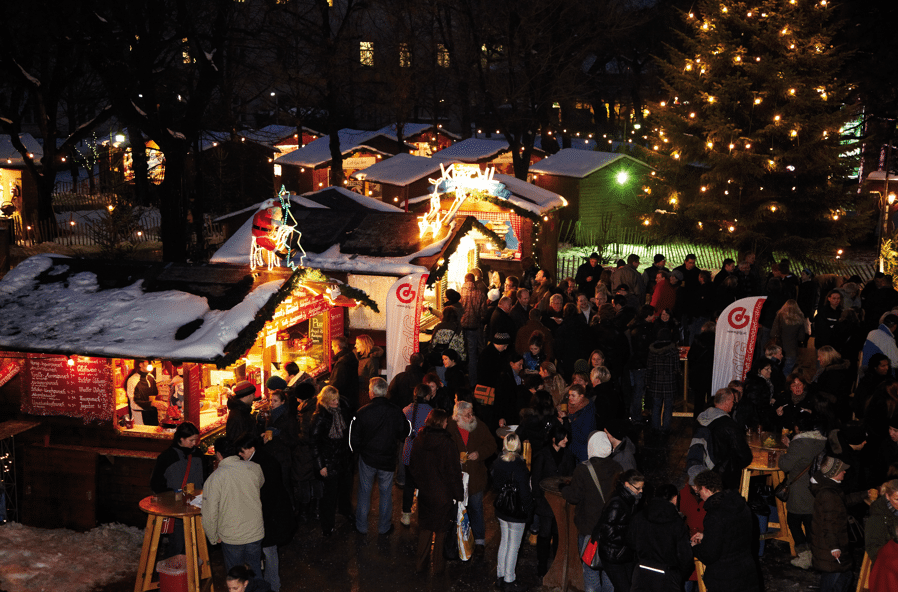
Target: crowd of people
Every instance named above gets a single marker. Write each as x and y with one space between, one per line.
571 372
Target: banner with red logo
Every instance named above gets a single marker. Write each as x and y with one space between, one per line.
404 301
734 342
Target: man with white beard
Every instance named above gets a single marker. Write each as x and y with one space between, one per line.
475 445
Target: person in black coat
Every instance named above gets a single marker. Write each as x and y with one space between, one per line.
345 371
553 460
240 411
725 545
660 539
572 340
277 514
330 450
402 387
307 488
434 464
178 465
611 531
701 367
375 434
283 438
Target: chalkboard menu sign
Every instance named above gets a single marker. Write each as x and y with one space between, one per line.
53 387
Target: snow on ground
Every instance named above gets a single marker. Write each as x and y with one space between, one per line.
36 559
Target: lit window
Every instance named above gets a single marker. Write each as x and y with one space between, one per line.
442 56
366 53
405 56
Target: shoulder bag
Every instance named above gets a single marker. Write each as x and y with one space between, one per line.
589 553
781 492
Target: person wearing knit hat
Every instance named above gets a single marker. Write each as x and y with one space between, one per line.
623 451
830 546
240 410
589 500
275 383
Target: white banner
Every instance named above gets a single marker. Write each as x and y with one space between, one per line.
404 300
734 341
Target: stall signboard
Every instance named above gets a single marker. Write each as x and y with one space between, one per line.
193 392
296 310
336 322
54 387
316 329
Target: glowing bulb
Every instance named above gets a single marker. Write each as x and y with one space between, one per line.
792 91
757 101
664 103
772 208
732 146
747 146
776 118
692 115
70 362
732 228
646 222
710 144
688 67
793 133
704 189
710 99
110 207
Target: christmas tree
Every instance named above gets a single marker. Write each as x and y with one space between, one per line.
749 143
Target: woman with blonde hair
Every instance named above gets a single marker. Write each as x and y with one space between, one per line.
510 472
789 330
553 383
369 356
330 449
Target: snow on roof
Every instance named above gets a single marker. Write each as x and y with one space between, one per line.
296 199
402 169
272 134
324 197
578 143
570 162
9 156
57 304
529 196
882 176
411 129
523 194
319 152
472 150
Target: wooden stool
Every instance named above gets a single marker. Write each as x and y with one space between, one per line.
863 580
774 477
699 575
165 506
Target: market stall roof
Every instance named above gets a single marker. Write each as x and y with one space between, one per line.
318 152
270 135
579 163
472 150
363 241
10 157
195 313
402 169
523 195
339 198
412 129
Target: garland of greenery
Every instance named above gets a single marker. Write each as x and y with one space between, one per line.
440 270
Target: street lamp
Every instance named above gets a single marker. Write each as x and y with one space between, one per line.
885 205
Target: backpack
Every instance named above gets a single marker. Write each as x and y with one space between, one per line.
508 500
701 449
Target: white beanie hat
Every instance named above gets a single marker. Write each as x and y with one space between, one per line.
598 445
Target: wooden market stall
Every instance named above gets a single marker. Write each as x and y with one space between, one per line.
73 331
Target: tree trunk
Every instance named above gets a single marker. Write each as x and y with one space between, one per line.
141 168
172 230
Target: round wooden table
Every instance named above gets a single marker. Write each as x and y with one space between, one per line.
566 570
158 508
765 463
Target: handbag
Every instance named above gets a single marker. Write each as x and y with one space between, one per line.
781 492
486 395
434 357
508 501
464 534
589 551
168 523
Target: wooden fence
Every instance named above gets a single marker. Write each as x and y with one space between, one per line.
710 258
79 233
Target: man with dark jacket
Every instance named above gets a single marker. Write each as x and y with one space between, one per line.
501 321
375 434
588 276
729 449
830 547
402 388
660 539
725 544
345 371
522 341
240 411
473 302
277 515
520 312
